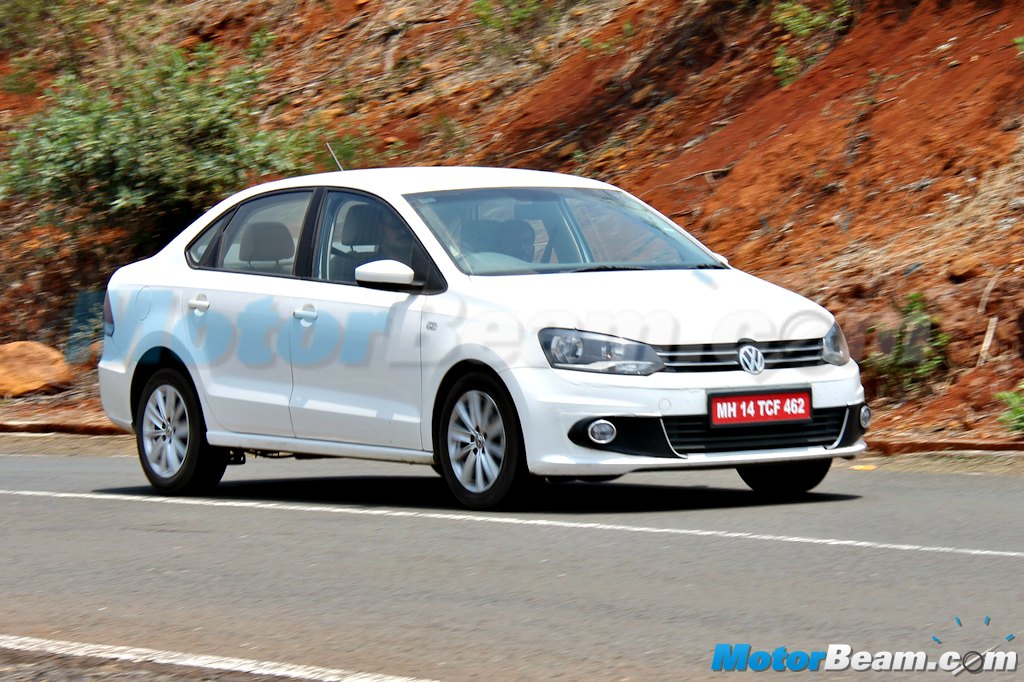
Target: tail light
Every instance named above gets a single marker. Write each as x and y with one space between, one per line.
108 316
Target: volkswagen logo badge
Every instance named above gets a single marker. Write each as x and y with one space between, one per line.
751 359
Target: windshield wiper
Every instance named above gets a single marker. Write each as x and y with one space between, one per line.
607 268
707 266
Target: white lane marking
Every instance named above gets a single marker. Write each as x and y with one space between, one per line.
241 665
515 521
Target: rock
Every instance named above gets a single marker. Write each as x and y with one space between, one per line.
88 358
642 95
610 156
569 149
916 340
856 328
842 219
30 366
857 288
964 268
962 353
1011 123
886 327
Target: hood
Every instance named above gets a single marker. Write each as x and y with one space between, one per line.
660 307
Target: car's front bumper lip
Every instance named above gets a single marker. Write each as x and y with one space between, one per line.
598 463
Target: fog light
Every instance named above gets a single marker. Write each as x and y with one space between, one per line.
602 431
865 416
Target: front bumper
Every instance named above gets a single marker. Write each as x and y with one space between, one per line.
662 420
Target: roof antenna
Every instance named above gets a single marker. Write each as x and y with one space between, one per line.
333 156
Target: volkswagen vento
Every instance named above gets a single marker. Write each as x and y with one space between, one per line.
495 324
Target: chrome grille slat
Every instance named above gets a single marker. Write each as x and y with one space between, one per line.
723 356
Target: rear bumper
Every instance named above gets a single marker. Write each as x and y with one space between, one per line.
115 385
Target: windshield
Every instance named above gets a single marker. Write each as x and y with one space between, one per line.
515 230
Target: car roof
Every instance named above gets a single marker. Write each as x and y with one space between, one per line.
410 180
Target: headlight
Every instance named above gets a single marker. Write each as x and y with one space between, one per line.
835 351
589 352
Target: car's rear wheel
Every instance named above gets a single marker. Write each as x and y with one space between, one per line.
171 437
479 442
785 479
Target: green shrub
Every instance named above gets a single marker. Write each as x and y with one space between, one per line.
1019 42
508 15
787 69
20 21
1014 416
917 356
21 80
149 148
799 19
71 30
812 29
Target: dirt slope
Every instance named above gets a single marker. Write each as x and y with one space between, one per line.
894 165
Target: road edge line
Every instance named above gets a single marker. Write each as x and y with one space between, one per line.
177 658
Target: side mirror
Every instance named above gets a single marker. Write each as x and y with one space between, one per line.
385 274
721 259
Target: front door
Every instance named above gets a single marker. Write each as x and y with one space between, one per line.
356 350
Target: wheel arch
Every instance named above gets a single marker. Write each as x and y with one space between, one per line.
453 375
151 362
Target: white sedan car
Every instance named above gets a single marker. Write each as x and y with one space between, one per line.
496 324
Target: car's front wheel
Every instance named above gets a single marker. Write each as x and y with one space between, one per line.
785 479
479 443
171 437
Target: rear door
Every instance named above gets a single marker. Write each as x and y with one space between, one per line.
236 312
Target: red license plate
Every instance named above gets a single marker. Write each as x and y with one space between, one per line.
760 408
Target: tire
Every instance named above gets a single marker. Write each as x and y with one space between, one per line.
479 443
785 479
170 434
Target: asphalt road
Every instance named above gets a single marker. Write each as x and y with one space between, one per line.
363 567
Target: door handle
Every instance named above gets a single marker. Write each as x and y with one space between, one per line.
200 303
306 313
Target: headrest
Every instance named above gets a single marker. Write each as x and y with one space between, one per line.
266 241
517 239
361 227
480 236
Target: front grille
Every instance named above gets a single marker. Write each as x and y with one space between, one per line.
692 434
724 357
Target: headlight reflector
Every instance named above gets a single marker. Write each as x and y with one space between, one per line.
590 352
835 351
